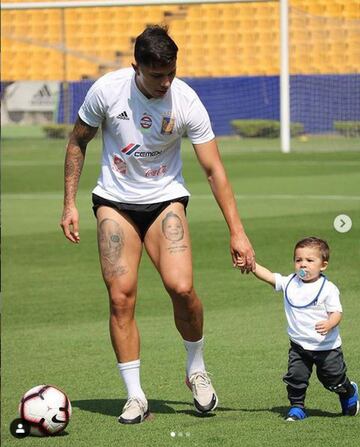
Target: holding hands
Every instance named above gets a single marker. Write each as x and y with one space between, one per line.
242 253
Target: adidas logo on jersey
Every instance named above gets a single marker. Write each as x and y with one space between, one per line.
123 116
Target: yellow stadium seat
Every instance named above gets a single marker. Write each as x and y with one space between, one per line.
180 40
352 9
241 37
228 12
210 25
337 34
334 9
321 48
178 26
319 36
244 10
211 11
267 23
338 47
297 21
353 35
193 11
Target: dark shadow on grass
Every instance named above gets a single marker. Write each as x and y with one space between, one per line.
282 411
112 407
196 414
56 435
62 433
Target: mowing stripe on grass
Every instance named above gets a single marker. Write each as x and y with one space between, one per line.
54 196
16 163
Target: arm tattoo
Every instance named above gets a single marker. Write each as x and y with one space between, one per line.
173 231
111 243
75 156
74 162
82 134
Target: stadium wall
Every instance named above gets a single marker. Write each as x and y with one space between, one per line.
316 100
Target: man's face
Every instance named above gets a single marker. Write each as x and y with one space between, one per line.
154 82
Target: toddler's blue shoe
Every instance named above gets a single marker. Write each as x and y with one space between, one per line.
295 414
350 406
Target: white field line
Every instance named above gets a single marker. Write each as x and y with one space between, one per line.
283 197
59 196
31 163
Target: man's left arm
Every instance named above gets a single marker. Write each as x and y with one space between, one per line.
240 246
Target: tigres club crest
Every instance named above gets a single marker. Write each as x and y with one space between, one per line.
167 125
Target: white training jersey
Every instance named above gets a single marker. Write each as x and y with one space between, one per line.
302 316
141 160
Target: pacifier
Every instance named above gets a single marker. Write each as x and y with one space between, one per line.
302 273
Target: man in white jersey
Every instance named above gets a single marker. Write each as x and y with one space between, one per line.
140 200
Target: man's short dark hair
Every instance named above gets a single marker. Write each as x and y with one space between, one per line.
154 47
313 241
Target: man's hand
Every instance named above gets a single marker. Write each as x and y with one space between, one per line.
242 253
70 224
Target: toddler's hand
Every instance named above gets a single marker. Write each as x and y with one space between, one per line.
240 262
323 327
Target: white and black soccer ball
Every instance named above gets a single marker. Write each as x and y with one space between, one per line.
46 408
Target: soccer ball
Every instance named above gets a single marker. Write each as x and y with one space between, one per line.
46 408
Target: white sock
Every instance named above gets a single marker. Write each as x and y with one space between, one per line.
195 360
130 373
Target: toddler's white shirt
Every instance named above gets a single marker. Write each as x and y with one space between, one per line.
301 321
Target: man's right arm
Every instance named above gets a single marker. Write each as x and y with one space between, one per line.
74 161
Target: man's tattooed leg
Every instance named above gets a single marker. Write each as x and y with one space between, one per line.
111 243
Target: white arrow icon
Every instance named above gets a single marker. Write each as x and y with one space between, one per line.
342 223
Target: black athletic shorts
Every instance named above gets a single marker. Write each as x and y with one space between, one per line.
142 215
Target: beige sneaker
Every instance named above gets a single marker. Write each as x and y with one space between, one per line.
135 411
205 398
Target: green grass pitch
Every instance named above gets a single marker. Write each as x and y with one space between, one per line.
54 313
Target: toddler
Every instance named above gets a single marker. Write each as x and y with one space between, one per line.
313 311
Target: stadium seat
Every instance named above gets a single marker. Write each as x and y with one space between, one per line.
353 33
212 11
180 39
334 9
236 34
351 9
319 36
267 22
297 21
245 10
178 26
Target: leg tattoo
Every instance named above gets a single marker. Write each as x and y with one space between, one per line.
111 243
173 231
